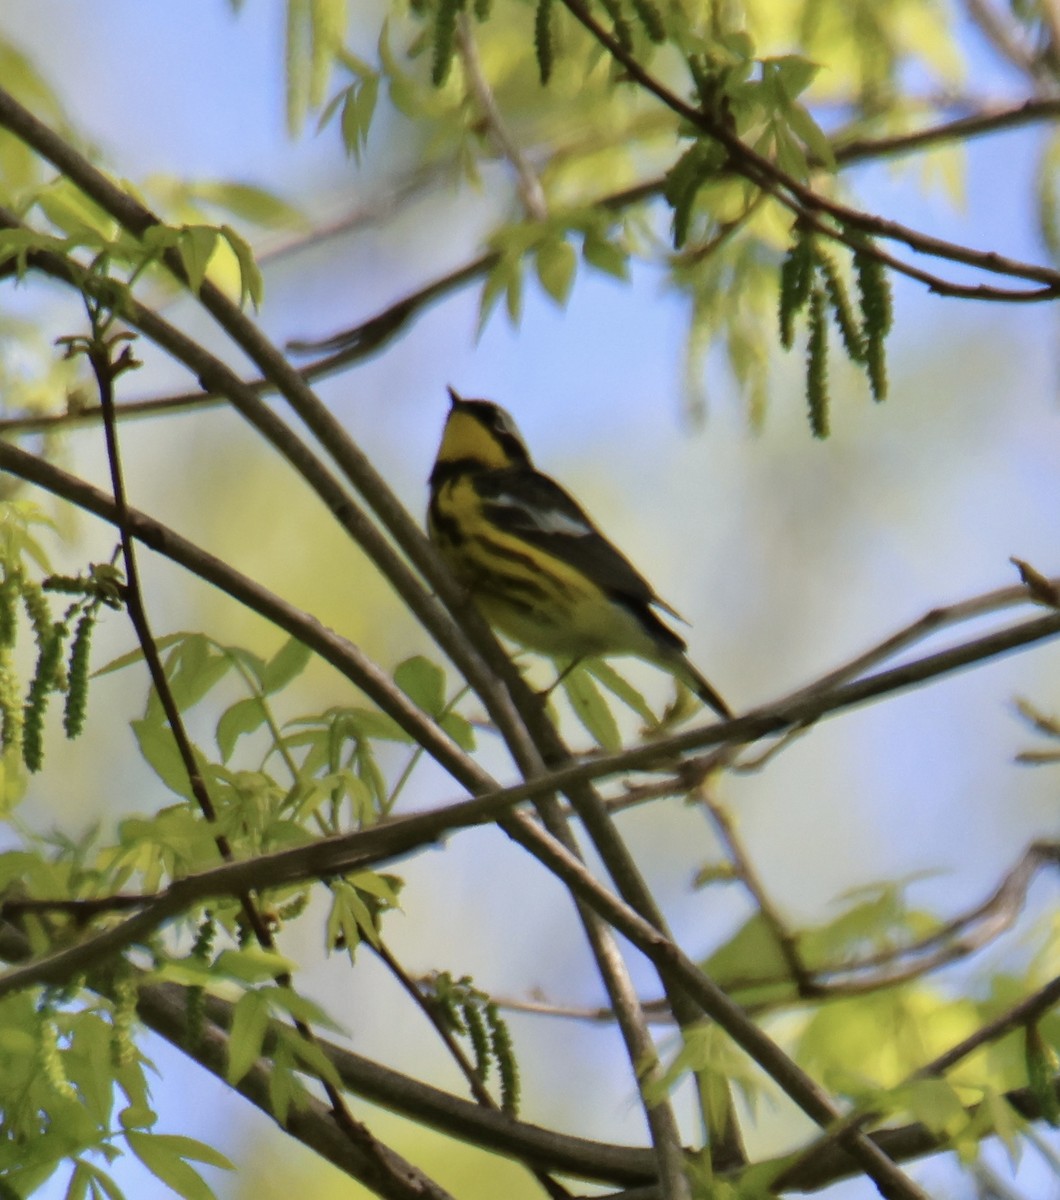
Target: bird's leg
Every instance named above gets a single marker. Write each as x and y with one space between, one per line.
572 663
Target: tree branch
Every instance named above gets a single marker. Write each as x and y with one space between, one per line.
370 337
809 205
530 190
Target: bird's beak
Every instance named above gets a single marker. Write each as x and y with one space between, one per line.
455 398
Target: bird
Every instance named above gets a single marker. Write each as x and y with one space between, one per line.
534 564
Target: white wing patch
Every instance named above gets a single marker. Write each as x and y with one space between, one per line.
547 520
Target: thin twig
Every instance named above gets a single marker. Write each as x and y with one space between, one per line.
530 190
808 204
1026 1012
786 941
406 833
467 1068
956 939
100 356
364 1158
509 701
349 346
679 971
996 119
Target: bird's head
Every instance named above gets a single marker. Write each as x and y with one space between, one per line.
480 434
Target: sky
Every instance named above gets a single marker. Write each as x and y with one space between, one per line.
787 555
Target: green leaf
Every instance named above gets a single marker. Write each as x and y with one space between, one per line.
66 206
362 914
459 729
329 19
357 111
193 1149
159 750
244 716
790 155
102 1184
812 135
196 245
383 887
133 656
312 1056
1004 1121
591 708
621 687
284 1089
423 682
251 203
286 664
605 255
750 963
297 64
251 280
794 73
935 1104
250 1022
301 1008
341 929
332 106
506 279
556 263
253 964
683 181
164 1154
193 668
79 1181
1048 181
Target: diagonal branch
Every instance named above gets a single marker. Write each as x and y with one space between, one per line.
402 835
341 350
810 205
1024 1013
530 190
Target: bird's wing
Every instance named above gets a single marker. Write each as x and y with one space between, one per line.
536 509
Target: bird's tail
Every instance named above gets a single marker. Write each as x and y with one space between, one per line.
702 688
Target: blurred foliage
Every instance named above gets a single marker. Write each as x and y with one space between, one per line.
792 81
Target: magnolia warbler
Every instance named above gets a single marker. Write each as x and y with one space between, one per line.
534 564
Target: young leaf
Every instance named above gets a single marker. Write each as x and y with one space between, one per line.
605 255
159 750
250 1021
556 263
196 245
250 203
165 1156
252 964
423 682
286 664
251 280
244 716
591 708
133 656
621 687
